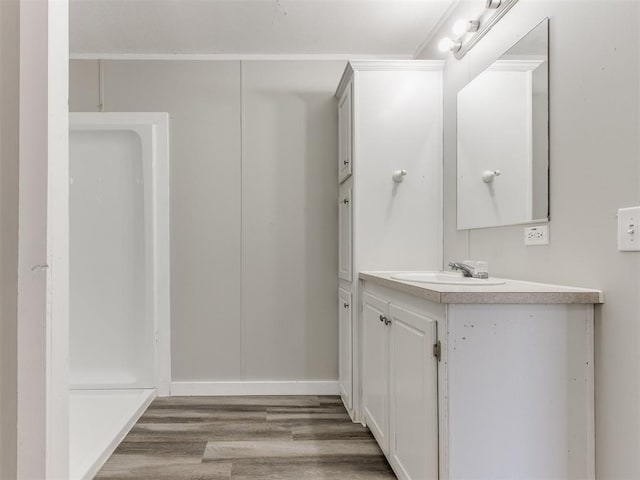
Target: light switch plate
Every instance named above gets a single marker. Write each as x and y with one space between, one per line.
628 229
538 235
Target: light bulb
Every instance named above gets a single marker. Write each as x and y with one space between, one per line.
460 27
446 44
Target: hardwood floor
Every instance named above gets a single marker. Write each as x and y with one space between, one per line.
243 438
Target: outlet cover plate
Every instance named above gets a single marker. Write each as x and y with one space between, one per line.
538 235
628 229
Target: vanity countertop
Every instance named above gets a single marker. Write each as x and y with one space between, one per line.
512 291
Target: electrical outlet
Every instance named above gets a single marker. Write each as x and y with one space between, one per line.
538 235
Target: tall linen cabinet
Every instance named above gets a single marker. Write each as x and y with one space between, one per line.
390 120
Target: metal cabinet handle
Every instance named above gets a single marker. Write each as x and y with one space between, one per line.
383 318
345 305
387 321
345 201
345 162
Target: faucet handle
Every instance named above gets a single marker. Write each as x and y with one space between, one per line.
467 270
471 269
460 265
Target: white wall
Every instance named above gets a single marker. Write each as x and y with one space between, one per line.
289 220
253 212
9 69
33 240
43 294
594 114
203 101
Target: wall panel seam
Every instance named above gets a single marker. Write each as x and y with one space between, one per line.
242 244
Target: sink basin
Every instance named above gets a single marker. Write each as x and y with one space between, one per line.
444 278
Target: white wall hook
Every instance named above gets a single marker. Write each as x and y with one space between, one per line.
398 175
489 175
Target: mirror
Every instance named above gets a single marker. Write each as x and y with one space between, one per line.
503 138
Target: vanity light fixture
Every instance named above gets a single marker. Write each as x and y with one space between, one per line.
469 32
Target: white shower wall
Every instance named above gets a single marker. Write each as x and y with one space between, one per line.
119 278
112 333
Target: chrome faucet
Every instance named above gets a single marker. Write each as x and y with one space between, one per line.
468 270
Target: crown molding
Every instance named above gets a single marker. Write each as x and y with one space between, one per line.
230 56
363 65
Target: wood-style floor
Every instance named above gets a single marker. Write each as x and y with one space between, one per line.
207 438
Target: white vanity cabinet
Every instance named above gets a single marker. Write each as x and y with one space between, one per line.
399 385
390 119
413 387
375 368
496 386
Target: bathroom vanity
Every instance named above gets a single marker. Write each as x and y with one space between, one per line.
475 381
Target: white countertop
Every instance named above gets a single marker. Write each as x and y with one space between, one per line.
512 291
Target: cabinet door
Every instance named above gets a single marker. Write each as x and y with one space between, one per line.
375 368
345 234
414 395
345 134
345 342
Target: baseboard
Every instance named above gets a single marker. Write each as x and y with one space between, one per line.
350 411
254 388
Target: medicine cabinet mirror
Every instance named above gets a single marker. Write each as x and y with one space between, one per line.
503 138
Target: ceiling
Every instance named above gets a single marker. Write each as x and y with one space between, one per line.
254 27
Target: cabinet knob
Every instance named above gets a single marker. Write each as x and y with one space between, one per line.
489 175
345 201
345 305
387 321
345 162
383 318
398 176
